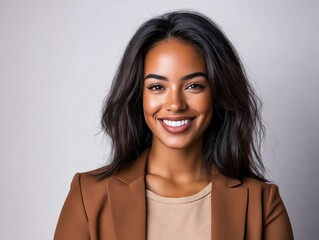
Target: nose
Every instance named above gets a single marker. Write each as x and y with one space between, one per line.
175 101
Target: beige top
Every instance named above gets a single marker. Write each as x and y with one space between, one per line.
186 218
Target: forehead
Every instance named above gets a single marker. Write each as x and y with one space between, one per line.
174 55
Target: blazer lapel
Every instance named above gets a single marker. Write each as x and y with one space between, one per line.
127 201
229 207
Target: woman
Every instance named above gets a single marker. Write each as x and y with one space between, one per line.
185 128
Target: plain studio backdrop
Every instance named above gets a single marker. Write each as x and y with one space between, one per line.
57 60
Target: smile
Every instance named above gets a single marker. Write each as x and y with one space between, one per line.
177 126
176 123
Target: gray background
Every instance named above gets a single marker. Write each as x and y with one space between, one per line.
57 59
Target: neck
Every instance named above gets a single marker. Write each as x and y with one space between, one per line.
177 165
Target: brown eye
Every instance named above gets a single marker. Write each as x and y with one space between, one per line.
156 87
194 86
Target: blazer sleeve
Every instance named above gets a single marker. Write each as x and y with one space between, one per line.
277 225
73 222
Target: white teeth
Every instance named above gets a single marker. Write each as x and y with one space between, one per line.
176 123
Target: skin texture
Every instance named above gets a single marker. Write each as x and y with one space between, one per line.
175 88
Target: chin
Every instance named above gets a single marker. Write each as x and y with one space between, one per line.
177 143
177 146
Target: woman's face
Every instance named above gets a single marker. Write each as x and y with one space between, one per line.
177 99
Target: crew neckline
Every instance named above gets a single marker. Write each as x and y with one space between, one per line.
180 200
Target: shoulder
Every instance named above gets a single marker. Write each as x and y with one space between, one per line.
258 191
256 186
262 189
89 183
264 193
91 179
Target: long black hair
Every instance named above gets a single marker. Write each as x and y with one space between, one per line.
231 141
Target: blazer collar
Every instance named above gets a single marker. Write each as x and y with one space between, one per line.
134 171
128 204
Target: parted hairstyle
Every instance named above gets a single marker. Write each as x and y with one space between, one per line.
232 140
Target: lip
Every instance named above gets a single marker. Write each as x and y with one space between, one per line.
176 130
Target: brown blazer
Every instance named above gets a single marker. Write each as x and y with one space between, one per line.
115 208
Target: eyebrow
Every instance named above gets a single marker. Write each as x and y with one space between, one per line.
187 77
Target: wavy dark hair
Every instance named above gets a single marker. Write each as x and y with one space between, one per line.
232 141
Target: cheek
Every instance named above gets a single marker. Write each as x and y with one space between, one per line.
202 103
151 104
